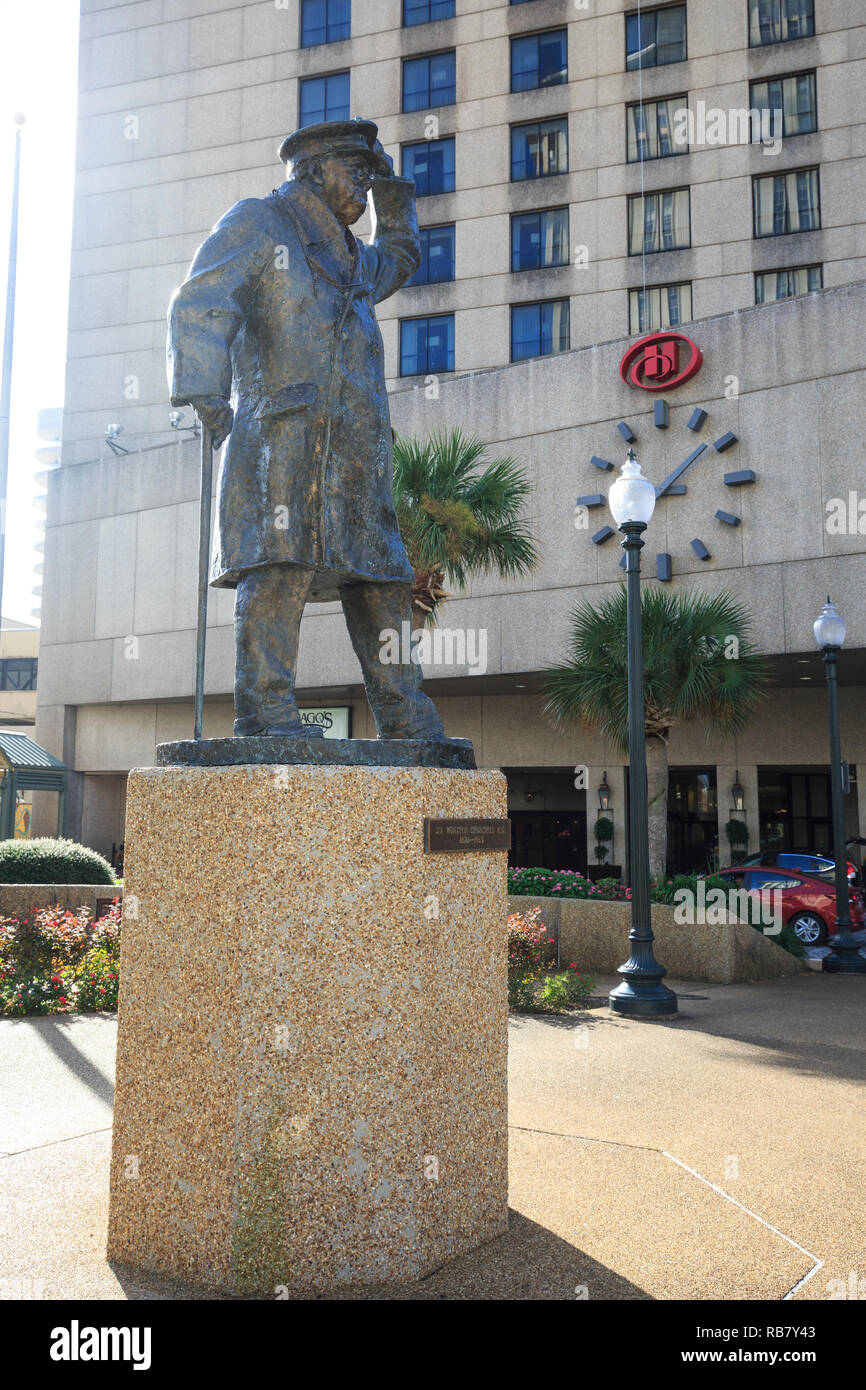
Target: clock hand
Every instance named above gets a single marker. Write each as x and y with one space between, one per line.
679 470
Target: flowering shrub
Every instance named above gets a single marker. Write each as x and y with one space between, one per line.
528 950
57 961
579 986
562 883
568 883
98 981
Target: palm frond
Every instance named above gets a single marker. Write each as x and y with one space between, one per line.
700 664
460 513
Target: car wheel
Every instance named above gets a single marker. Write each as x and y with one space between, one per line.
809 928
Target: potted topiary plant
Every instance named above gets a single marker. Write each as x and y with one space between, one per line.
603 832
738 834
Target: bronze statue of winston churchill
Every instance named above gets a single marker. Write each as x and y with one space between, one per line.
274 342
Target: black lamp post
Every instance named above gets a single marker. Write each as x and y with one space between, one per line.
844 958
632 501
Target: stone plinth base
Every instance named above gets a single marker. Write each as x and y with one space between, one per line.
311 1063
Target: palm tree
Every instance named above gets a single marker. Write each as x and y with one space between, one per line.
699 664
459 515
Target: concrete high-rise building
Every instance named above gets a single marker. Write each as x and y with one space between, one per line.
585 175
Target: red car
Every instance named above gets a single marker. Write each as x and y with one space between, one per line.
808 903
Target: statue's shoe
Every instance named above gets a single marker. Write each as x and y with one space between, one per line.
415 719
415 732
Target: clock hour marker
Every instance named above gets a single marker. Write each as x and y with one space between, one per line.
603 535
660 415
626 431
728 518
592 499
725 442
664 569
697 419
602 463
700 550
745 475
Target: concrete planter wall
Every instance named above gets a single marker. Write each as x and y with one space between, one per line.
22 899
595 936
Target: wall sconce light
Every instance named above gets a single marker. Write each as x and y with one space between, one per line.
110 436
176 417
531 793
738 794
604 794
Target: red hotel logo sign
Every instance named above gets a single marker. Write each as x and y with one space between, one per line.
660 361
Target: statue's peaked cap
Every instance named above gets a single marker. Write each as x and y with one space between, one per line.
334 137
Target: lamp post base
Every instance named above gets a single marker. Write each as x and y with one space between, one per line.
845 959
642 999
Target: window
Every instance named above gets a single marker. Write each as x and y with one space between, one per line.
325 98
539 149
659 306
761 881
539 60
425 11
537 330
793 96
786 203
429 81
659 222
539 239
18 673
325 21
771 285
652 129
427 345
776 21
431 164
437 256
655 37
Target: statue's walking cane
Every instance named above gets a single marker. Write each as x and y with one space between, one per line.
203 571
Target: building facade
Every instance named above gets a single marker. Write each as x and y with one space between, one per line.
19 661
584 176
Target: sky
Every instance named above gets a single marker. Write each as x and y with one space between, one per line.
38 76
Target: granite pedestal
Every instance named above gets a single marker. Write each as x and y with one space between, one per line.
311 1068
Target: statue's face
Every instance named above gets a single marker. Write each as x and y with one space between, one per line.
346 181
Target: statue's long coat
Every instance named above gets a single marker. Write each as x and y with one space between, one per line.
277 311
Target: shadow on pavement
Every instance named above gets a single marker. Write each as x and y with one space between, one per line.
53 1032
814 1024
528 1263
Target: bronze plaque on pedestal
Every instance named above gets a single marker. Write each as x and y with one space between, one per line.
450 836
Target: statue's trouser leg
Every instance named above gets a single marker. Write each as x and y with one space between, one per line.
399 705
268 611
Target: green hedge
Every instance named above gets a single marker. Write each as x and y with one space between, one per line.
52 861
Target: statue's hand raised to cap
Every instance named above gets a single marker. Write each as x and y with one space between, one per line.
216 415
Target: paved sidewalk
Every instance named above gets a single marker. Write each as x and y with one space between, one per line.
716 1155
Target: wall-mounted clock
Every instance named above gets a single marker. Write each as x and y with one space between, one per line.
672 486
